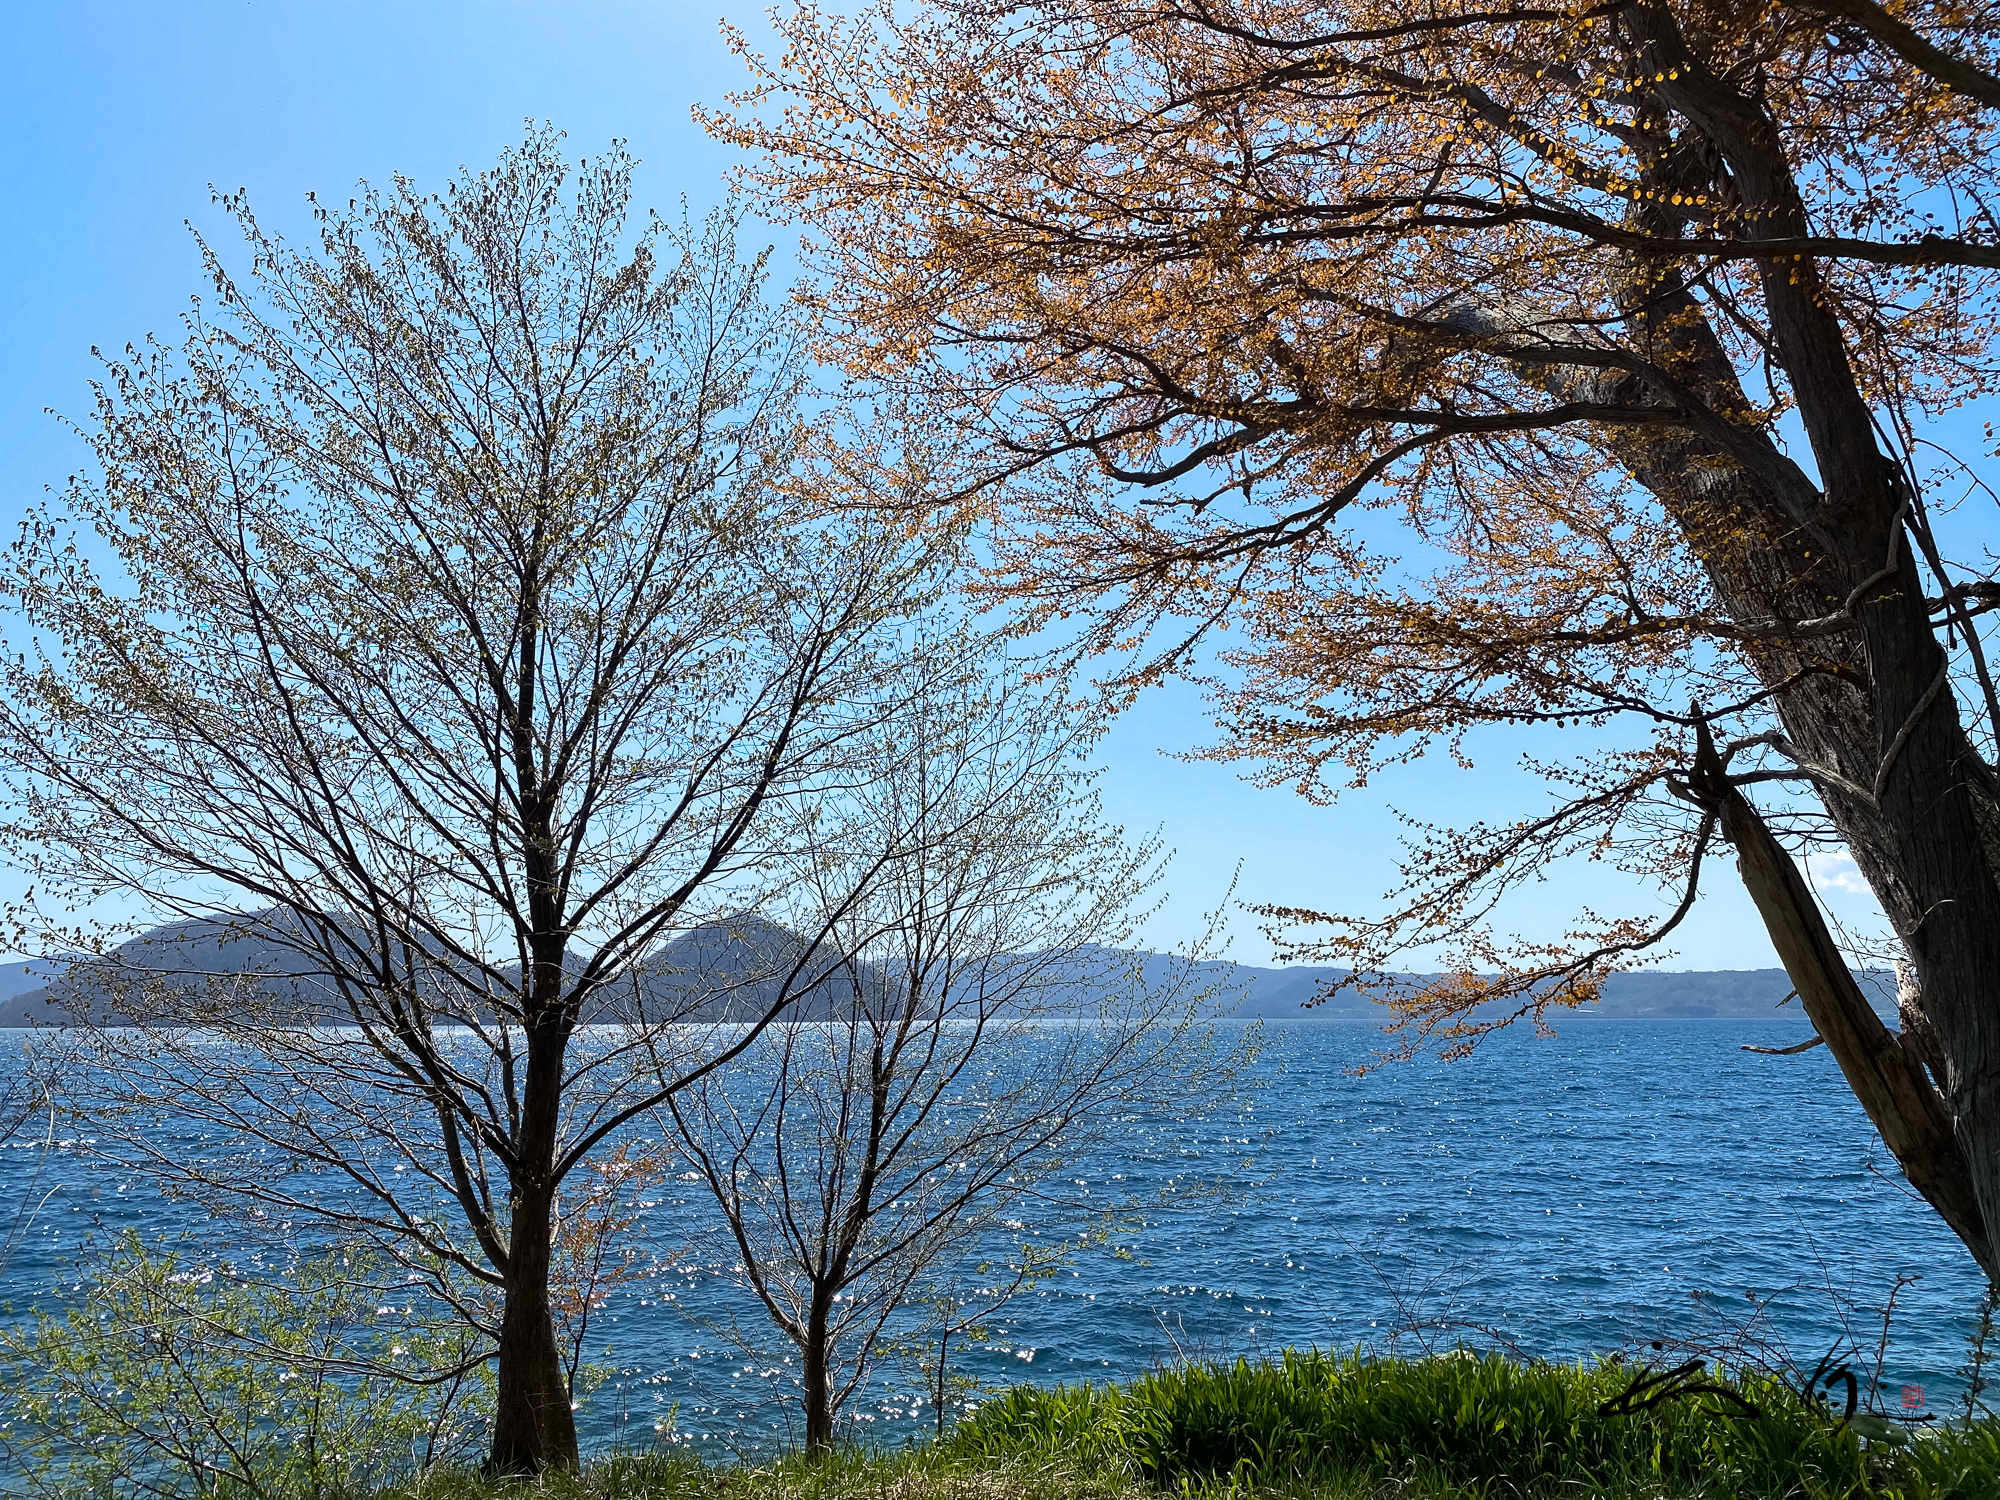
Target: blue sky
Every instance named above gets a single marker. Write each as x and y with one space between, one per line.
119 117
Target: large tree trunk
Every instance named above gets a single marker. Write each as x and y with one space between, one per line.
1939 882
534 1427
1863 703
1865 706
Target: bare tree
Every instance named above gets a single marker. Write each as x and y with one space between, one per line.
467 608
978 1025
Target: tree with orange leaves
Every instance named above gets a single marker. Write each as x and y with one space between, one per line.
1636 316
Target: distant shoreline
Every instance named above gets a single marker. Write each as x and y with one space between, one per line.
28 988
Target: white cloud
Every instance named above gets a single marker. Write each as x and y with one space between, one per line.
1834 872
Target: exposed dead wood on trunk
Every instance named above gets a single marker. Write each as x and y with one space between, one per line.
1884 1070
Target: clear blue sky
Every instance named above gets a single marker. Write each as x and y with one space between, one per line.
119 117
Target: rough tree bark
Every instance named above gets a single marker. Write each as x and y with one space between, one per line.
1908 794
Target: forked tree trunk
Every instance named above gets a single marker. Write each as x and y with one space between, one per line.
1893 765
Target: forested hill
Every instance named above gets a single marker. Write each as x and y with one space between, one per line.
1281 994
18 979
197 970
1276 993
721 967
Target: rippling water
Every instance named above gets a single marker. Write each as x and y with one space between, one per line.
1629 1180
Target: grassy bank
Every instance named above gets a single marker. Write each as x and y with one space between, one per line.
1332 1428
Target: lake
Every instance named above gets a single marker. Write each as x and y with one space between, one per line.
1626 1181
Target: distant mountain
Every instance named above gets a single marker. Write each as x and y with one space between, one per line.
161 968
1726 992
32 974
721 971
730 970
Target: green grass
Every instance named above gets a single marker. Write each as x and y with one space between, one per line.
1319 1424
1320 1427
921 1474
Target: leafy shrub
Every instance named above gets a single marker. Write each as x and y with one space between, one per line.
163 1377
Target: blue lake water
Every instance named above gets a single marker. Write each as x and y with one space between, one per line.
1626 1181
